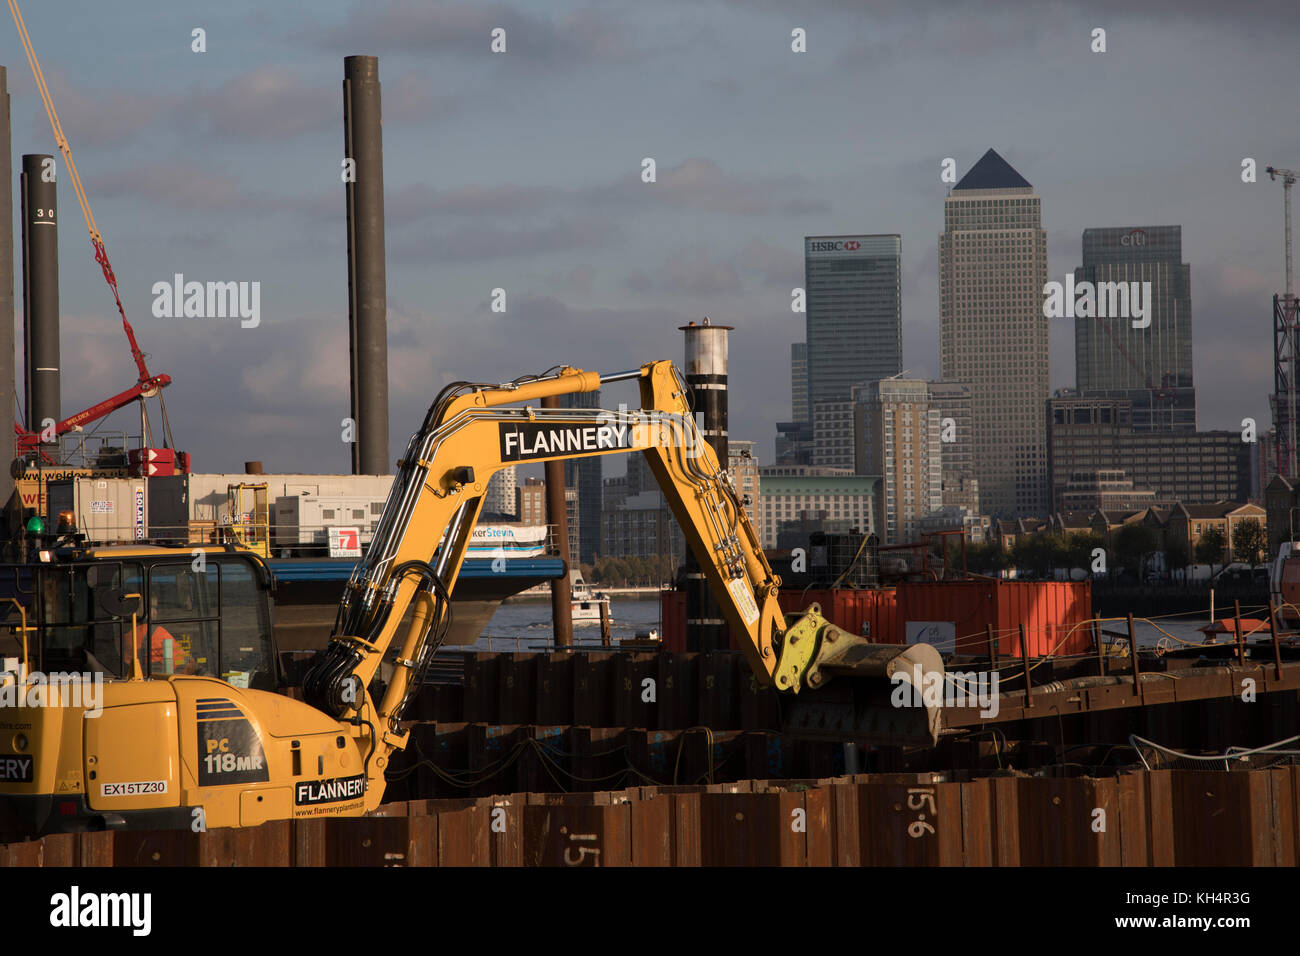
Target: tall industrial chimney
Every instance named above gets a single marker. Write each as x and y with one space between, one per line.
367 301
7 384
706 376
40 289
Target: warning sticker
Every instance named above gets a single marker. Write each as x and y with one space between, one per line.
744 600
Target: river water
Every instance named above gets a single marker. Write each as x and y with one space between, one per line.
527 626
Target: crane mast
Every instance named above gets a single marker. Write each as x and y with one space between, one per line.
1288 318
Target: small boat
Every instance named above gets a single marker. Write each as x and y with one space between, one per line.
586 602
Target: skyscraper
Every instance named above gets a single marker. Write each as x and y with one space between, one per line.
854 313
993 334
901 431
960 486
499 498
1150 366
799 383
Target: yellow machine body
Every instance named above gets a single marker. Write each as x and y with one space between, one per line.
187 735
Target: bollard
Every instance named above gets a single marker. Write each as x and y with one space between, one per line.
1133 651
1024 657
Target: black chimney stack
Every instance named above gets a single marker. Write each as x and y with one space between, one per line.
367 303
40 290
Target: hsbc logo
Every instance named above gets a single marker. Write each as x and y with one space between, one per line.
837 245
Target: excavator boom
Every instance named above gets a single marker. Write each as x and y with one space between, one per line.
472 432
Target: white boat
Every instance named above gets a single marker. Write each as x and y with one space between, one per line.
586 602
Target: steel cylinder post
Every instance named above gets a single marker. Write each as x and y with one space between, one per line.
1024 660
1238 637
557 516
40 290
1277 647
363 175
1133 654
706 377
1097 646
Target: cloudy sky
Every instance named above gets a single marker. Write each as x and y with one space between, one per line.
522 171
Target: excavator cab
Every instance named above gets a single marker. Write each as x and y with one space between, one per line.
209 618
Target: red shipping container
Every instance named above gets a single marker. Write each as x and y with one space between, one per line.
843 607
850 609
948 613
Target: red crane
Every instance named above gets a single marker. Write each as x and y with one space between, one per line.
148 385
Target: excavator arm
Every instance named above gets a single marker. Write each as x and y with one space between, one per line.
399 596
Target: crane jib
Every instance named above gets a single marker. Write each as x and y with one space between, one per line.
523 441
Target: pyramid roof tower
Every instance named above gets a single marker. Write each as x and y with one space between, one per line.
993 172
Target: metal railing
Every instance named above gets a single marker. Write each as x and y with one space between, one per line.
283 542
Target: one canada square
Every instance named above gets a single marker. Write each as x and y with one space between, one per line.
993 333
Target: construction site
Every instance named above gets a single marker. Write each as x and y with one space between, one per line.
281 669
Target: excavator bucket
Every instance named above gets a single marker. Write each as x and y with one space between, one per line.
855 691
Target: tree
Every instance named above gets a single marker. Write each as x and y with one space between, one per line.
615 571
986 558
1249 541
639 571
1133 543
1039 553
1210 549
602 571
1080 547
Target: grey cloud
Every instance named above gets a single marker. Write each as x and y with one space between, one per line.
580 280
702 184
696 183
272 103
465 29
415 201
266 103
779 266
1262 13
94 117
481 243
178 184
690 272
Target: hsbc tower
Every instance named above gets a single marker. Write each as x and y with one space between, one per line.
854 313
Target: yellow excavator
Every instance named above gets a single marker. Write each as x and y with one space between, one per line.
172 741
